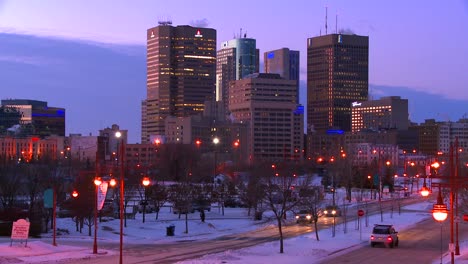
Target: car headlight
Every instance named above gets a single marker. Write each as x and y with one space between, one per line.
325 212
297 217
308 217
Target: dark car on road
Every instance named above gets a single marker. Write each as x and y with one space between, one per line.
304 216
332 210
201 205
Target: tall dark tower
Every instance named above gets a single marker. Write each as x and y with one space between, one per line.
181 72
337 75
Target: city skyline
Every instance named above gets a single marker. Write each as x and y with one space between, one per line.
428 45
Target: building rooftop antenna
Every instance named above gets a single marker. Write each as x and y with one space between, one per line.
336 23
326 20
164 21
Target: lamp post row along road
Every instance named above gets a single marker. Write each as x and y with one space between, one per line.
440 211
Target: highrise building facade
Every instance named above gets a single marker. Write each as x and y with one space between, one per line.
337 75
44 120
387 113
181 68
267 104
284 62
236 59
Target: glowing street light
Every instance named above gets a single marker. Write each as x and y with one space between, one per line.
97 182
425 191
440 213
112 182
215 142
146 181
118 135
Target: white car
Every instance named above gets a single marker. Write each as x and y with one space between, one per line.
384 234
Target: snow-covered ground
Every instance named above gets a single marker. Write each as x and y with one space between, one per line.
301 249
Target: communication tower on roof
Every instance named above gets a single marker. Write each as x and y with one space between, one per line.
326 20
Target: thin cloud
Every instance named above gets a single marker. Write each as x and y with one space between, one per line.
37 61
200 23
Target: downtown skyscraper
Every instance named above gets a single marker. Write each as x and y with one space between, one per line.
337 76
181 68
236 59
284 62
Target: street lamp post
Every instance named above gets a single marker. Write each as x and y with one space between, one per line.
332 159
118 135
215 142
371 185
439 213
334 223
145 182
97 182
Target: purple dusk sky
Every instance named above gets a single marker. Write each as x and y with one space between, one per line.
419 44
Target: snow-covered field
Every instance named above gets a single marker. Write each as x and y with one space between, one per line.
301 249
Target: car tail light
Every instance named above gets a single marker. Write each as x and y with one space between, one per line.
389 238
372 237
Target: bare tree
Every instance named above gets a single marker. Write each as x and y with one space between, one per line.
253 193
83 206
177 161
279 182
158 195
181 195
10 179
311 199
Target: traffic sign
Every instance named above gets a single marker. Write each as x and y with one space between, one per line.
48 198
360 212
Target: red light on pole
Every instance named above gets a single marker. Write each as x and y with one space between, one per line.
97 182
113 182
146 181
